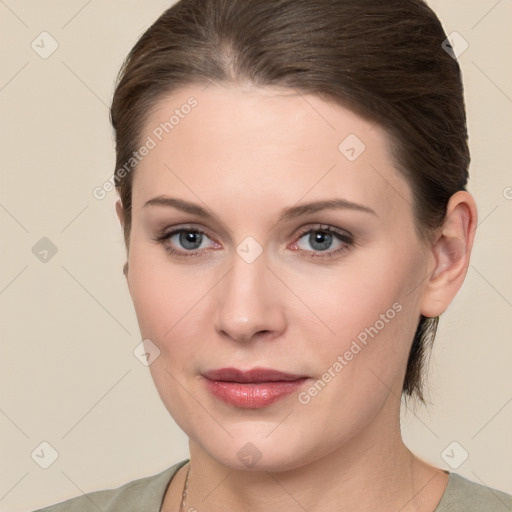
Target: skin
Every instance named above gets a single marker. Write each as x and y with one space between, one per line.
245 154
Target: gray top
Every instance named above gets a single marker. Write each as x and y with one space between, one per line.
147 494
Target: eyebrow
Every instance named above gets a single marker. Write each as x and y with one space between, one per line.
287 214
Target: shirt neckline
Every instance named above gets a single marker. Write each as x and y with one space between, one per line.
176 467
442 501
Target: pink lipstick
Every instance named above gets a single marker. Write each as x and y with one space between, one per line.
252 389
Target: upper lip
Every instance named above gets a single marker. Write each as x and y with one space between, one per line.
252 375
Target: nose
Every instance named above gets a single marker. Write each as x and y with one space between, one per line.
248 305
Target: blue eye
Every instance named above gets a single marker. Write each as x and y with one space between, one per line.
184 241
321 239
190 240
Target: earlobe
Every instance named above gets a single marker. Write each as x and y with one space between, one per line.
451 252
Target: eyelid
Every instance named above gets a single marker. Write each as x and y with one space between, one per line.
167 233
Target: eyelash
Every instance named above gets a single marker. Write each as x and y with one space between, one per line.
347 239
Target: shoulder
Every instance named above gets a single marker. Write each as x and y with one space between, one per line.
141 495
463 495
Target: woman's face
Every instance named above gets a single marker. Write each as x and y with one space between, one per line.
254 281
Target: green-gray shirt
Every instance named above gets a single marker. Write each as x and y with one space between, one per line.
147 494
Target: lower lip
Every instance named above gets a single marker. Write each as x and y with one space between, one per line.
253 395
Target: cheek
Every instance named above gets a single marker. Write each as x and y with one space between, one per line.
172 302
157 290
353 296
371 309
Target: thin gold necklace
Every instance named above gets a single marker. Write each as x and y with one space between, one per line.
185 488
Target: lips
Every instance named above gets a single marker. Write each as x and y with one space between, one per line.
254 375
252 389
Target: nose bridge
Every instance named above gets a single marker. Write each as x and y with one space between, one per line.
245 305
244 290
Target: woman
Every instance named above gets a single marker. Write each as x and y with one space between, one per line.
292 180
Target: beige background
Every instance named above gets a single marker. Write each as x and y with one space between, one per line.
68 375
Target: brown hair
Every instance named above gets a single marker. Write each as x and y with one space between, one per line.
382 59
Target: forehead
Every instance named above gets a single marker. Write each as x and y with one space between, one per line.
264 143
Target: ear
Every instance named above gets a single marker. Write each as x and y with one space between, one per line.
120 212
451 251
121 217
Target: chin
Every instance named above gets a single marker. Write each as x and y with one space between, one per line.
260 447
